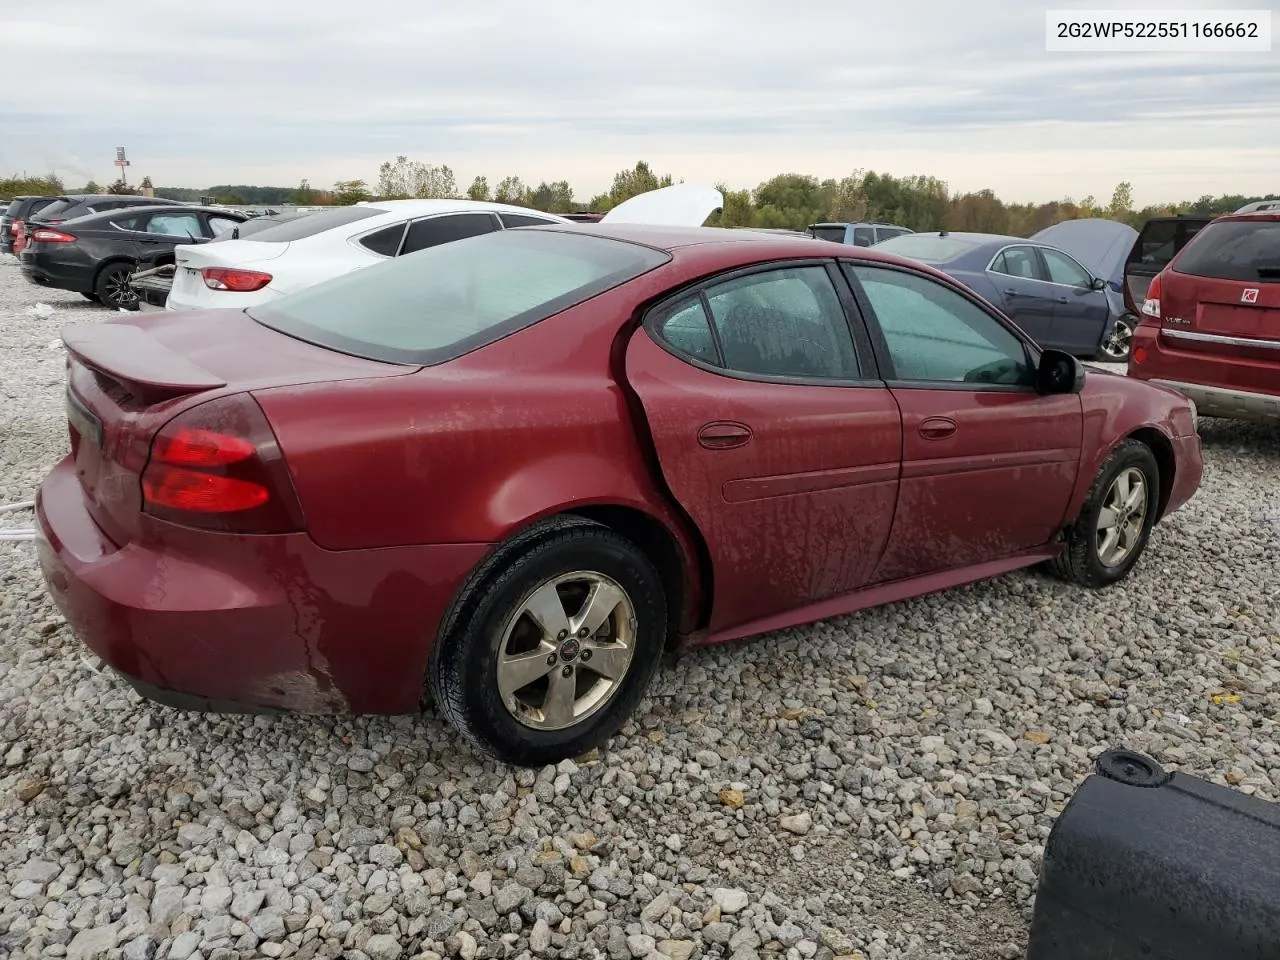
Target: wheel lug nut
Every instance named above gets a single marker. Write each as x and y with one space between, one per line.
562 634
551 660
583 633
567 672
586 655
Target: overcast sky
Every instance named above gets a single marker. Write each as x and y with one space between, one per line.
270 91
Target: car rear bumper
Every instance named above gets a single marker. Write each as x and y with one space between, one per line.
247 623
49 272
1228 402
1221 384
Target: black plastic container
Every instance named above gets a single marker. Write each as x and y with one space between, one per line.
1151 865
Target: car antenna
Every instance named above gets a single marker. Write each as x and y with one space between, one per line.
943 233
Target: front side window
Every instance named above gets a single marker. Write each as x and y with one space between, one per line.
934 334
786 323
437 304
175 225
863 236
1063 270
221 225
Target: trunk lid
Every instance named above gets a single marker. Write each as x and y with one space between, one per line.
679 205
127 378
1223 290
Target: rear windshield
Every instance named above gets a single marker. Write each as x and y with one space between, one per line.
1234 250
828 233
308 226
916 246
55 209
437 304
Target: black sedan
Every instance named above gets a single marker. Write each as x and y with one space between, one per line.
96 255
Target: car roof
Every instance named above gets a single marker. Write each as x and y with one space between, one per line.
1251 215
135 209
414 208
858 223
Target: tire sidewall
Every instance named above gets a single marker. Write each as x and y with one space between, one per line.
474 642
1134 455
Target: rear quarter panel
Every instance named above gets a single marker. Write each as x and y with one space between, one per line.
473 450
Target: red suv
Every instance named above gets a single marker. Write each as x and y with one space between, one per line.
1210 324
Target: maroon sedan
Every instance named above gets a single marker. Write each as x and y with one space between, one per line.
1211 320
509 471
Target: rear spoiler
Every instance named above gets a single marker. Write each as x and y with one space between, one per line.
143 364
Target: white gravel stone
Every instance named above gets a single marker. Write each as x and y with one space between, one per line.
879 784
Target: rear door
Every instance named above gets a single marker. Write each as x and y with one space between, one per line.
1158 242
1020 276
1080 313
1221 295
988 464
773 432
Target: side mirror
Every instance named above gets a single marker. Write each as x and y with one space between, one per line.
1059 372
1098 284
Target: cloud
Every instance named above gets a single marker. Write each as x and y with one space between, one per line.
566 88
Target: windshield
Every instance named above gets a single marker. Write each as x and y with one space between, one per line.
918 246
439 303
1246 250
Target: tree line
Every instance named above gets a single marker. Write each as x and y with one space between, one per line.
788 200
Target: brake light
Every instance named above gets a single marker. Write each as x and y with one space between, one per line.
1151 305
218 466
42 235
239 281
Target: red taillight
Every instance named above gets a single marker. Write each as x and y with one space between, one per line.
239 281
1151 305
218 466
43 235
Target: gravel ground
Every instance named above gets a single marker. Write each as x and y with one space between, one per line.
879 785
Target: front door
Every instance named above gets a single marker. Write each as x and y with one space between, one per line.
773 434
1080 313
988 464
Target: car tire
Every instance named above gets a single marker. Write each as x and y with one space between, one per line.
112 286
580 689
91 296
1092 558
1119 342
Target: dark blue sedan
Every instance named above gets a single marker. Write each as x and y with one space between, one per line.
1046 292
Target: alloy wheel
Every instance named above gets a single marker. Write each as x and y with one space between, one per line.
119 289
1122 517
566 650
1119 341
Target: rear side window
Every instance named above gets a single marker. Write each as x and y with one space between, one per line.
437 304
384 242
864 236
437 230
835 234
314 223
684 326
1245 250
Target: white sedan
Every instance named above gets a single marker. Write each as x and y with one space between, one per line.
304 251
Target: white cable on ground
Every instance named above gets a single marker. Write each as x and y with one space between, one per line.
20 533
